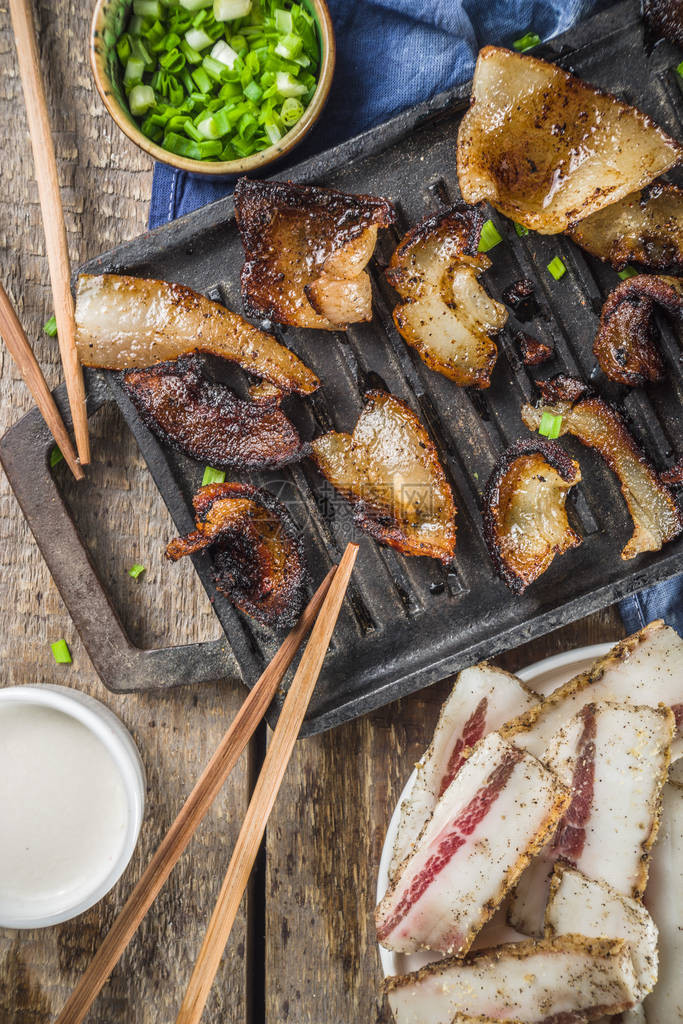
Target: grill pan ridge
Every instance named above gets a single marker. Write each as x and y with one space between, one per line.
407 622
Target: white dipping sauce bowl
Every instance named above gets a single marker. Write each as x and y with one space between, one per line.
52 907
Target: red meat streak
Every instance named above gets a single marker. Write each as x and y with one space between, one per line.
455 837
472 732
570 836
678 715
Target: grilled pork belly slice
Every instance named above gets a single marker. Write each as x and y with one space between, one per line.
497 813
547 149
664 900
306 250
129 322
525 521
644 669
256 548
563 980
483 698
625 345
389 471
645 227
581 906
656 516
207 421
446 314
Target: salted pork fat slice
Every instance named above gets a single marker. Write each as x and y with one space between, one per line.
482 699
500 809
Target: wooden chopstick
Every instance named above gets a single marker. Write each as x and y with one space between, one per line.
20 349
266 790
195 807
53 217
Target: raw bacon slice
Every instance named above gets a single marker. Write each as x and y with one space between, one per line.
482 699
581 906
498 812
555 981
664 900
547 149
644 669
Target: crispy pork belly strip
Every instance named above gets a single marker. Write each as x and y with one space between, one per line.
446 314
207 421
306 249
498 812
644 669
664 900
645 227
525 522
127 322
626 343
482 699
257 551
581 906
547 149
655 513
389 471
564 980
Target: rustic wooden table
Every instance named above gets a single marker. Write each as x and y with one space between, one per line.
303 949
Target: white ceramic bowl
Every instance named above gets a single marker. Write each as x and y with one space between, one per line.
102 723
544 677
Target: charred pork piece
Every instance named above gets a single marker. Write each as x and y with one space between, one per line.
656 516
257 551
483 698
306 249
533 351
129 322
519 296
625 345
556 981
525 521
673 476
389 471
446 314
499 810
663 20
645 227
208 421
519 140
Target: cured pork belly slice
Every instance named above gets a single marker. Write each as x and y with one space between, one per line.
389 471
482 699
498 812
564 980
446 314
644 669
655 513
306 250
547 149
581 906
664 900
130 322
645 227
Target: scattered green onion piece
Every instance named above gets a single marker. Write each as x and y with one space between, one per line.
627 272
290 46
527 42
55 457
61 652
201 79
520 229
135 69
190 53
198 39
225 54
173 61
288 86
230 10
213 68
140 99
148 8
253 92
213 476
679 69
557 268
283 20
292 109
489 236
136 570
550 425
50 326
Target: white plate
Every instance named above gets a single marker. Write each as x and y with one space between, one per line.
543 677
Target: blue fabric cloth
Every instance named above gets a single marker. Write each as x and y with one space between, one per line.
392 54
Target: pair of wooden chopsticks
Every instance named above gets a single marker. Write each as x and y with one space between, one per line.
56 244
322 610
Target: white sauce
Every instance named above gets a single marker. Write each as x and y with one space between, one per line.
62 808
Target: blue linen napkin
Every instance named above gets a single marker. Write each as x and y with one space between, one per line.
392 54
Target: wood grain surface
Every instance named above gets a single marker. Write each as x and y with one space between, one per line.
303 948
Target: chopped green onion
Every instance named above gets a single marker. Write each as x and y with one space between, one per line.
195 5
550 425
557 268
229 10
627 272
224 53
520 229
213 476
202 80
55 457
61 652
136 570
679 69
292 109
147 8
489 236
288 86
140 99
135 69
273 132
198 39
527 42
290 46
50 326
283 20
